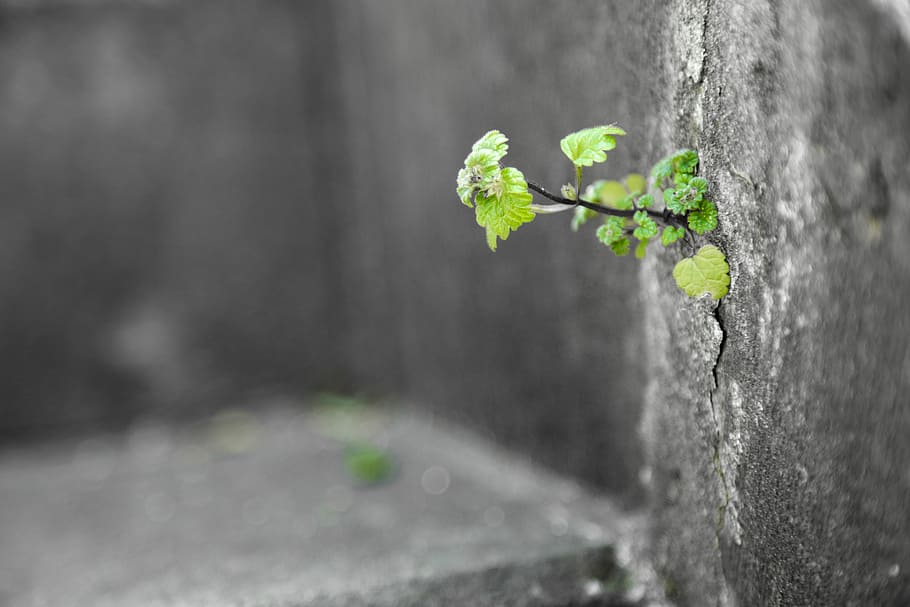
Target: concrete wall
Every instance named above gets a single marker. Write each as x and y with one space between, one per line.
203 202
777 423
162 246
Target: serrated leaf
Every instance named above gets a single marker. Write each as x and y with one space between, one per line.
611 230
505 207
671 234
647 227
705 272
699 184
481 166
494 141
645 202
681 179
704 218
636 183
685 161
587 146
641 248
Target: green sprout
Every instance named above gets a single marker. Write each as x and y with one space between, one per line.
503 202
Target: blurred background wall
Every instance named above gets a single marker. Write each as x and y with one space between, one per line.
204 204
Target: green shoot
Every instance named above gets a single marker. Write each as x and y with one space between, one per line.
503 202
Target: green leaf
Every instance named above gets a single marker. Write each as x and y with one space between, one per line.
587 146
671 234
505 206
703 219
611 234
620 247
636 183
581 217
641 248
493 141
661 171
611 230
368 464
645 201
685 161
705 272
568 192
678 166
625 204
699 184
481 166
647 227
610 192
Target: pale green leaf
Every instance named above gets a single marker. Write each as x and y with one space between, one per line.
705 272
493 141
587 146
481 166
636 183
610 192
505 206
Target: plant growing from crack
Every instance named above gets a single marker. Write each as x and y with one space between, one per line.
503 202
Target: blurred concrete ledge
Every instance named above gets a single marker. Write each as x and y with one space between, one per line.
262 510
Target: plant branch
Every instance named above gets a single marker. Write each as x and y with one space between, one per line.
663 217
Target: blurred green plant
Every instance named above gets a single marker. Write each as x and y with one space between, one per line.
354 422
368 464
502 199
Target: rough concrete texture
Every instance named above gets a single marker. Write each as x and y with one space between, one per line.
777 424
259 510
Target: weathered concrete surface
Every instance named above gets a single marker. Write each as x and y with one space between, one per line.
778 424
247 510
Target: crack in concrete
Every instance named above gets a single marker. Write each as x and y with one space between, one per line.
718 438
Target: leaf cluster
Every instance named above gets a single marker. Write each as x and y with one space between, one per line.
500 194
683 191
503 203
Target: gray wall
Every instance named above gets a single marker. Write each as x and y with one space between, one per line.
778 423
209 203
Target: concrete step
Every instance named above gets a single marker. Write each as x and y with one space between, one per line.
266 509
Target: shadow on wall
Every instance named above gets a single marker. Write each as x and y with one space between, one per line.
199 202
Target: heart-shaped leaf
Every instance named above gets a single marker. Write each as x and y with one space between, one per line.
705 272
